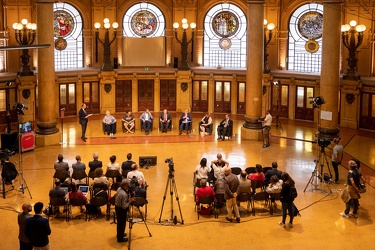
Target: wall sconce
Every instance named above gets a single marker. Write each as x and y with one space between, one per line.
348 32
25 34
107 66
184 43
9 84
267 39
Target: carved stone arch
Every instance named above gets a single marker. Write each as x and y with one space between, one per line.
84 10
288 11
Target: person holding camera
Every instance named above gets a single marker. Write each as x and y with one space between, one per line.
337 153
266 125
122 202
353 188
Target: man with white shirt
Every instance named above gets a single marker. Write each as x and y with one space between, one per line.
146 118
266 128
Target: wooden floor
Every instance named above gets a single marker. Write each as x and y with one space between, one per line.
320 226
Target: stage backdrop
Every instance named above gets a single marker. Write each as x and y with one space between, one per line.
143 51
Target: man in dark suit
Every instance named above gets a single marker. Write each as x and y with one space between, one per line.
223 127
127 165
146 118
83 120
185 121
94 165
271 172
165 120
38 229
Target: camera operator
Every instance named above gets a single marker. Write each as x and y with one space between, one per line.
122 203
337 157
9 171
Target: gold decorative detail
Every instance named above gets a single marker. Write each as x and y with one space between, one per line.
60 43
312 46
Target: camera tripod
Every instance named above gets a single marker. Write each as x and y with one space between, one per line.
172 190
138 202
317 174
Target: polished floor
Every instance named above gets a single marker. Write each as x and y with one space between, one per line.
320 226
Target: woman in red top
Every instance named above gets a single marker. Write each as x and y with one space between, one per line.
74 193
259 175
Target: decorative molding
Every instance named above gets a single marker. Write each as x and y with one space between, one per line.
107 87
26 93
184 86
349 97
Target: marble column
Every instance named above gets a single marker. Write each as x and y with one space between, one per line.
254 75
46 123
330 72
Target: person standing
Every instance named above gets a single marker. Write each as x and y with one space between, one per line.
266 128
337 153
185 122
38 229
83 120
165 120
22 217
146 118
232 184
122 203
223 127
352 187
287 199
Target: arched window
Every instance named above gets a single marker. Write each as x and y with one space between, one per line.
225 37
144 20
305 39
68 36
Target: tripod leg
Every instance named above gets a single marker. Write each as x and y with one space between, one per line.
24 186
130 219
311 179
178 200
164 197
144 221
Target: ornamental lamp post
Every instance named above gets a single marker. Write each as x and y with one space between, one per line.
267 39
25 34
184 43
107 66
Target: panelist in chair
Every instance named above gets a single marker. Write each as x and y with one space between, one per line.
185 121
204 124
109 123
146 118
165 121
224 127
129 122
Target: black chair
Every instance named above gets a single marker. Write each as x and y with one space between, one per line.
60 175
250 170
59 202
4 188
124 129
236 170
187 127
220 202
259 197
205 200
151 127
169 127
265 169
114 128
114 174
208 129
229 132
76 202
79 175
244 197
272 201
257 184
125 174
96 202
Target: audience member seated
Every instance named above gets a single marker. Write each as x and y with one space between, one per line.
202 191
9 171
245 184
271 172
202 171
205 125
185 122
100 190
60 165
109 123
138 174
224 128
128 122
100 177
113 165
165 121
127 165
56 192
146 119
75 193
217 167
275 185
255 177
94 165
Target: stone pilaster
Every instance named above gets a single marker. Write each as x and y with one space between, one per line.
107 82
350 102
26 94
184 90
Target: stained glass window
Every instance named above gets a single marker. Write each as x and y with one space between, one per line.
225 37
68 36
305 34
144 20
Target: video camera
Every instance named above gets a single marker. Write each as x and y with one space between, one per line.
19 108
5 154
324 142
133 184
170 164
317 101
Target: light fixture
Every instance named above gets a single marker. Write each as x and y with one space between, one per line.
9 84
268 27
348 32
184 43
107 66
25 34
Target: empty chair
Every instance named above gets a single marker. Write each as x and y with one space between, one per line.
259 197
236 170
250 170
94 206
125 173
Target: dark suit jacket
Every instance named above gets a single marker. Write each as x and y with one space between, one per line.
95 164
127 165
230 123
162 117
189 118
37 230
271 172
82 116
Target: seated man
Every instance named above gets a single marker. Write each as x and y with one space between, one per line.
223 127
185 121
129 122
140 177
78 166
204 124
271 172
9 172
165 120
56 192
127 165
60 165
109 124
245 184
94 164
146 118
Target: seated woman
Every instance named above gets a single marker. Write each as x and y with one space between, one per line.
109 123
100 177
202 171
275 185
129 122
205 125
75 193
113 165
256 178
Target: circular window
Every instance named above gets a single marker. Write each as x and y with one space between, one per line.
63 23
310 25
143 23
225 24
